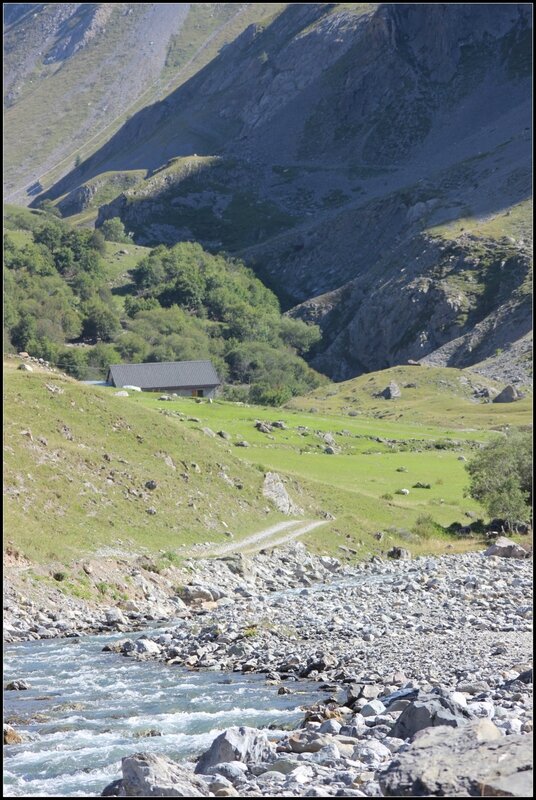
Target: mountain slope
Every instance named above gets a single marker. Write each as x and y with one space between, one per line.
330 146
72 73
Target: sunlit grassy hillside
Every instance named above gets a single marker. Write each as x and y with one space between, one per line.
429 396
78 459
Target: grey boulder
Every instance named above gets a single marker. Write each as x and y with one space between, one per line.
508 395
506 548
149 775
429 711
392 391
274 489
17 685
399 553
236 744
474 760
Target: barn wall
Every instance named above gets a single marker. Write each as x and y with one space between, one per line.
207 393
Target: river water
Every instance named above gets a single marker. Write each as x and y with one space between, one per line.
85 707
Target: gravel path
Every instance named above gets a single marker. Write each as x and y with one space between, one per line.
258 541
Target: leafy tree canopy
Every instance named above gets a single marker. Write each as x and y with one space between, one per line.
501 478
184 304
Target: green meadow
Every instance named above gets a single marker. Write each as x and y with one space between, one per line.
77 459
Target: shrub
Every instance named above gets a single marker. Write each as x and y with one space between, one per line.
173 558
425 527
236 394
263 395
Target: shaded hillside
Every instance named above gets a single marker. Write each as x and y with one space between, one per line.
327 148
330 146
74 72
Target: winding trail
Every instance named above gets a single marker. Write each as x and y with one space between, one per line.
264 538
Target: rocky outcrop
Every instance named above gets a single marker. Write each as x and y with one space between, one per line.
470 761
274 489
329 150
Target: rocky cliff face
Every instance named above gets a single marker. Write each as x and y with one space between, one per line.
367 162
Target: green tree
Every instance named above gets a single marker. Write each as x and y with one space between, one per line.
24 332
101 356
98 242
264 395
74 361
132 347
150 272
299 334
64 260
114 230
501 478
49 208
50 235
100 321
133 305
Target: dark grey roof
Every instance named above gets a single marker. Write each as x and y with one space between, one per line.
166 374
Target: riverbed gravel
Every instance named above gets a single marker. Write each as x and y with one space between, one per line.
400 646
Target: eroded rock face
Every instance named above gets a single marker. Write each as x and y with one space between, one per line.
473 760
236 744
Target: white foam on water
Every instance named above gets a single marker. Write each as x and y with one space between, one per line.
75 753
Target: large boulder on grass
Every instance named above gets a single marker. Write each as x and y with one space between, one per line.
392 391
506 548
508 395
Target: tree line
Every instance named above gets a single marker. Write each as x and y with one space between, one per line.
183 304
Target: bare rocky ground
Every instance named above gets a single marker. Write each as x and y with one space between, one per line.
427 663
